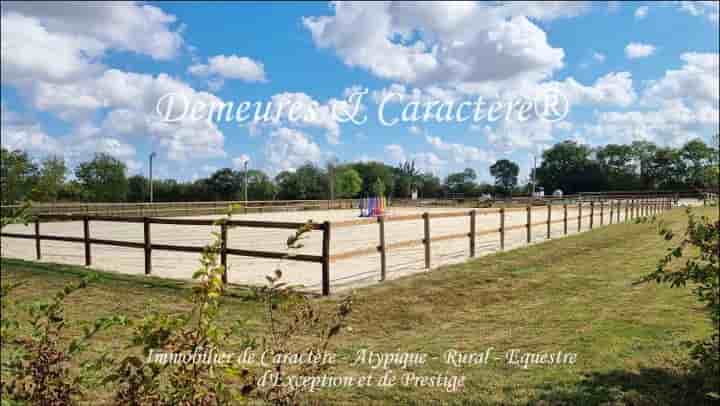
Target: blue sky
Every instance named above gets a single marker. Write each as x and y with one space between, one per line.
79 79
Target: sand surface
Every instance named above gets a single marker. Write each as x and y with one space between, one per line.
345 273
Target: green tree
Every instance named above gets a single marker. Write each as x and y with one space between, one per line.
103 178
18 176
305 183
618 163
430 186
138 190
407 179
378 188
371 171
50 179
462 183
260 186
506 175
348 182
696 156
568 166
224 184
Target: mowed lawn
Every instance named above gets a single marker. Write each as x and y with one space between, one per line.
574 294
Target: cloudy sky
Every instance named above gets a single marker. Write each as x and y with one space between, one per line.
79 79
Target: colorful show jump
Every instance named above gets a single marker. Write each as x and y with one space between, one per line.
372 206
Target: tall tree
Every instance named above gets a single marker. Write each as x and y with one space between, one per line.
348 182
103 178
506 175
224 184
50 179
462 183
18 175
568 166
407 178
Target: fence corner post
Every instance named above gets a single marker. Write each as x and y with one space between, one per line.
565 219
326 259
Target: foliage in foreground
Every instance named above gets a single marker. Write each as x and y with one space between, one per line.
700 247
43 364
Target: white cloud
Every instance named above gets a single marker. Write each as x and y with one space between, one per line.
443 42
635 50
396 153
695 84
709 9
239 161
415 130
128 26
230 67
598 56
641 12
428 162
20 134
307 112
682 105
287 149
31 53
458 153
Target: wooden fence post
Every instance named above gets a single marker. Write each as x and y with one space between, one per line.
383 263
472 233
502 228
592 214
86 237
579 216
37 240
612 211
602 212
148 246
565 218
326 259
549 217
619 206
426 220
627 209
528 226
223 251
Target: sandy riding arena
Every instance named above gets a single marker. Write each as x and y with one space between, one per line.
345 272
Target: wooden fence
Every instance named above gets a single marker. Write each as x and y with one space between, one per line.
181 208
632 208
148 246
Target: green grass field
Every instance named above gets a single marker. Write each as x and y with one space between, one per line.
574 294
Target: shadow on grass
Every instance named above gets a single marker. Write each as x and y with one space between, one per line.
648 386
112 279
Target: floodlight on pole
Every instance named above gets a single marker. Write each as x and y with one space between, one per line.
152 155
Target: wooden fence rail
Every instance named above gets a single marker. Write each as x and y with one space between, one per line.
633 208
148 246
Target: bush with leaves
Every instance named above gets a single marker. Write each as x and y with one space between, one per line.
699 246
38 365
137 381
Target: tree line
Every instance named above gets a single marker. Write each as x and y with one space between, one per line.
568 166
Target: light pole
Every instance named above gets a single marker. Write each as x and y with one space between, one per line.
152 155
246 180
